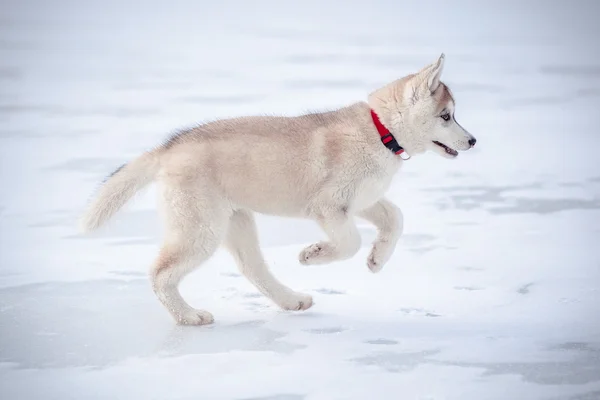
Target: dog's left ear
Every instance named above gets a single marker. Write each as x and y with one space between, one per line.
435 73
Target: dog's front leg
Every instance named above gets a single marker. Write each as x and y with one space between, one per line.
388 220
344 239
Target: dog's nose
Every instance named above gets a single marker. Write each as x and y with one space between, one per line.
472 142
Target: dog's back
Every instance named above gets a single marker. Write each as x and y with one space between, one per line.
273 165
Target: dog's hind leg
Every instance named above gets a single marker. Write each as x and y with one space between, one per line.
388 220
242 242
195 226
344 239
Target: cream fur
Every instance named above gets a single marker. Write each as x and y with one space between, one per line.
328 167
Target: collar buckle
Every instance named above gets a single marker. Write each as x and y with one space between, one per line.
388 139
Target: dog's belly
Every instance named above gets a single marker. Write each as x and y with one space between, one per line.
280 206
269 194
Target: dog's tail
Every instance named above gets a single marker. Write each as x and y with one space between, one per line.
118 188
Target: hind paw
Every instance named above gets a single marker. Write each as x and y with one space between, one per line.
195 317
296 302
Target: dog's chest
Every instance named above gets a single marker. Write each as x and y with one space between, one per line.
372 188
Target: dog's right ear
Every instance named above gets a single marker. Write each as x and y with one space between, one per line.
426 81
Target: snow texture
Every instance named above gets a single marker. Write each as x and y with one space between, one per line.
492 293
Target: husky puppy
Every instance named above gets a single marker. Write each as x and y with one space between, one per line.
329 167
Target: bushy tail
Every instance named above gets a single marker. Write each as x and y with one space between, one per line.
120 186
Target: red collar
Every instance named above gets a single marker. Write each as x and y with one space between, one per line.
387 138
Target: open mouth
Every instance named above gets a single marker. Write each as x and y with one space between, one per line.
447 149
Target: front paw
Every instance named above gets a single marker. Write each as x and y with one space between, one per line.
318 253
380 254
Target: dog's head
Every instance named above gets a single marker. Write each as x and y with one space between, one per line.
419 111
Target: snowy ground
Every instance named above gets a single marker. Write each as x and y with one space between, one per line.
493 292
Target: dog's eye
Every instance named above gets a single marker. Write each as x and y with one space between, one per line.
446 117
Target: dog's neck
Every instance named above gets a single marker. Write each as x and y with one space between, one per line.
381 114
387 138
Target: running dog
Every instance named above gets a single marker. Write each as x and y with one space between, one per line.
328 167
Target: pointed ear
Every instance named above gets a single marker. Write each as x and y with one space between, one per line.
424 82
435 73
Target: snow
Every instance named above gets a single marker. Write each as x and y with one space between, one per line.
492 293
